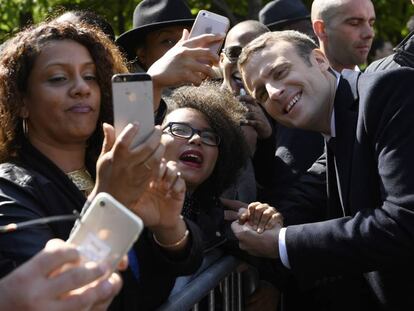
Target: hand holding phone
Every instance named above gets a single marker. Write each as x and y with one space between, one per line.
133 101
106 231
208 22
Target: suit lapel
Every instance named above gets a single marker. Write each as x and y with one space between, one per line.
346 116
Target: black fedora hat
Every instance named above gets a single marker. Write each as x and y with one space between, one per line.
278 13
150 15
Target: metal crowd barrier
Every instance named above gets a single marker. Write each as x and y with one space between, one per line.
220 277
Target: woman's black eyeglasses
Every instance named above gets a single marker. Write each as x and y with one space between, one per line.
183 130
233 52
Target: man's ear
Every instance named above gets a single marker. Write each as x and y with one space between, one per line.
221 59
320 59
319 29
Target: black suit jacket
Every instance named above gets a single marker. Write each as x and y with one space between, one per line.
403 56
362 219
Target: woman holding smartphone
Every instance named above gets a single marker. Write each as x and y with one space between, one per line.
56 151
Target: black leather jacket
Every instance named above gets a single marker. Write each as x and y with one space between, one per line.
33 187
403 56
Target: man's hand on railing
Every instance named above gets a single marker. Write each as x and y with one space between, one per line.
257 244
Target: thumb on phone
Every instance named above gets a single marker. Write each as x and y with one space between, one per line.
109 138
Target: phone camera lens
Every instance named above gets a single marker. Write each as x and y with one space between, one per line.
204 14
102 203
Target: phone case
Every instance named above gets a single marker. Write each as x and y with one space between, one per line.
133 101
106 231
209 22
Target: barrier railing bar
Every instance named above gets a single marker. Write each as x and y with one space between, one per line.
226 294
239 292
193 292
211 301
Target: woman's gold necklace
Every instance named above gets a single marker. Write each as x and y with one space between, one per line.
82 180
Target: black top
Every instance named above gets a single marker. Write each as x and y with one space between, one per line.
33 187
403 57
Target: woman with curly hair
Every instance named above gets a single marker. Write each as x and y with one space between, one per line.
57 151
202 133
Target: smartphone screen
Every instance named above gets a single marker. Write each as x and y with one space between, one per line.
106 231
209 22
133 101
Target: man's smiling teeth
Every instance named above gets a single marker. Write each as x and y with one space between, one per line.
293 102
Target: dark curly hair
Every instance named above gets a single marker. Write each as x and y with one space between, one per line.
17 59
223 113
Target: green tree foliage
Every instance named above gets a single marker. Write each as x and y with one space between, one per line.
392 15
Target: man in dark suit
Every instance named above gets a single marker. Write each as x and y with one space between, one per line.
403 56
351 236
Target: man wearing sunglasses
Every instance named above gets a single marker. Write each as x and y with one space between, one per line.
278 151
256 125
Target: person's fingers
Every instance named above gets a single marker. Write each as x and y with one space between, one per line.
123 264
152 162
95 297
162 169
109 138
55 254
251 123
185 35
231 215
170 175
255 210
276 219
197 70
203 56
106 291
233 204
76 277
178 187
243 216
125 138
266 216
237 229
204 40
247 100
147 147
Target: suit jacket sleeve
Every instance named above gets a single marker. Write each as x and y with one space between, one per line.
380 232
306 200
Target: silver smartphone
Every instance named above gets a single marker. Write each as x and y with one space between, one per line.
106 231
209 22
133 101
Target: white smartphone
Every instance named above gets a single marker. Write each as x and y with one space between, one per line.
209 22
106 231
133 101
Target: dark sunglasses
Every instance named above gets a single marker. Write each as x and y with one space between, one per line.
233 52
183 130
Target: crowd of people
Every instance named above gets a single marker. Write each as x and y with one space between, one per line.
278 151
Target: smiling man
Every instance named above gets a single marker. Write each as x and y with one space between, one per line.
345 30
351 235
